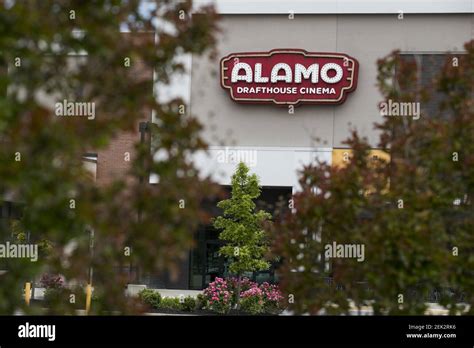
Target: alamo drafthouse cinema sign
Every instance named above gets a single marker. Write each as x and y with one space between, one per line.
289 77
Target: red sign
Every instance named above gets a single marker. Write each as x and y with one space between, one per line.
289 77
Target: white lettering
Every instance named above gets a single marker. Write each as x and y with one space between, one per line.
288 77
37 331
235 73
258 74
310 72
331 66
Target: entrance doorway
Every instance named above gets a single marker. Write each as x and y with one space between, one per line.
205 262
215 265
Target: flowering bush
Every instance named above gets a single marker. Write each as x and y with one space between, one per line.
221 296
252 300
55 291
245 284
52 281
273 298
218 296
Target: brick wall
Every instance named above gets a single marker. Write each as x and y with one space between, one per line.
111 163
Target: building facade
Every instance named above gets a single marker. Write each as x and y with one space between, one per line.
276 141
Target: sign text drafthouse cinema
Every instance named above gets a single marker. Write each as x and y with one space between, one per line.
289 77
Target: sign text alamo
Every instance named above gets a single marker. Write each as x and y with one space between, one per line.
289 77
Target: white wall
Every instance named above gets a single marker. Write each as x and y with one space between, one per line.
364 37
339 6
275 166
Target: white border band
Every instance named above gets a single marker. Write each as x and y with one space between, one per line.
340 6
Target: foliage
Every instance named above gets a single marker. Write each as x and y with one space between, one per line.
252 301
263 298
150 297
221 296
170 303
77 51
218 296
200 301
154 300
54 288
19 234
18 231
52 281
233 286
242 227
188 304
272 298
413 214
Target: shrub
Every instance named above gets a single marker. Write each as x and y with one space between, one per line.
189 304
56 295
245 284
170 303
273 299
221 295
52 281
218 297
252 300
55 292
154 300
150 297
201 301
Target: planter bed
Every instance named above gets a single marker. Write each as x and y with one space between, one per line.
233 312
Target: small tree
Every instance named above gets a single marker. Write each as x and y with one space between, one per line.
241 225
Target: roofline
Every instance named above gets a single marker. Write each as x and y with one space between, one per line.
341 6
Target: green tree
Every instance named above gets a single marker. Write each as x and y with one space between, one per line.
109 54
242 226
413 213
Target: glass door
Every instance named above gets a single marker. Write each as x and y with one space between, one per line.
215 264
